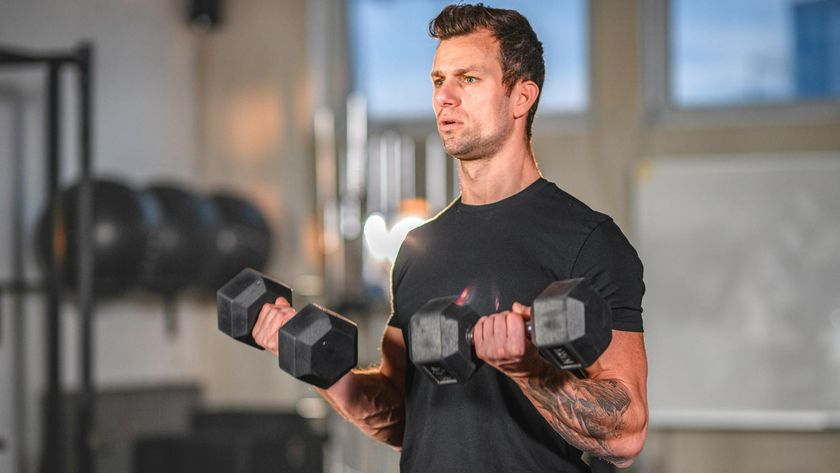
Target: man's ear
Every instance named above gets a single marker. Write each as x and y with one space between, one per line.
524 95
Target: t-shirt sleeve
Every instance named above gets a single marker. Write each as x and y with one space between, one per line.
397 318
613 269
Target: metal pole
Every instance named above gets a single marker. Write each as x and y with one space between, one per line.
84 441
19 332
53 452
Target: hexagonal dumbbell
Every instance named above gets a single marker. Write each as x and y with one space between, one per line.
316 346
440 340
570 325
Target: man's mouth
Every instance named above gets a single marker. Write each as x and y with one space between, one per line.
447 123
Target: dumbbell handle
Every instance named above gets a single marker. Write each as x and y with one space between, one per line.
529 332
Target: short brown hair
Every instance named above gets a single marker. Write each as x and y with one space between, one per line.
520 50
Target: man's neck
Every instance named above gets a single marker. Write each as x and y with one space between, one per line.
491 179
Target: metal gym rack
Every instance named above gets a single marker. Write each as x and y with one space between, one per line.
53 450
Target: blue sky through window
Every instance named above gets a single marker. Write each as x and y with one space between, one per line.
731 52
392 53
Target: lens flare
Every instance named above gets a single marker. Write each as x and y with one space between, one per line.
384 243
466 295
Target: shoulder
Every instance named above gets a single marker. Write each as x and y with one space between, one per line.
558 220
600 253
606 241
557 204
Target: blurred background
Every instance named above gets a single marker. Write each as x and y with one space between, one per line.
297 136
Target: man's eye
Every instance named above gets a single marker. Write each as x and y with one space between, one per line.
438 82
470 79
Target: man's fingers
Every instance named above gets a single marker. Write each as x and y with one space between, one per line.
478 338
260 319
500 335
486 337
515 327
478 335
271 318
522 309
268 321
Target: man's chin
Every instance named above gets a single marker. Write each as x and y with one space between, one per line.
454 148
469 151
456 152
463 155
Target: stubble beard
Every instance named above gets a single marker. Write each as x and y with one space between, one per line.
473 146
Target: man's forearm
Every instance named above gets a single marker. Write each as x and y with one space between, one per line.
369 400
593 415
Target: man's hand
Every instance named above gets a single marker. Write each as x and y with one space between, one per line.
271 318
502 341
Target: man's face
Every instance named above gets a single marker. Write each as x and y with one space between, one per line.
471 106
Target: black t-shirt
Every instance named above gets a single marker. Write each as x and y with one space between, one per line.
502 253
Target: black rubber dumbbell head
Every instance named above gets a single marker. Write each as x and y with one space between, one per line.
572 325
318 346
438 341
240 301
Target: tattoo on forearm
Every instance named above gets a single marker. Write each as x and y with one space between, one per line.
585 412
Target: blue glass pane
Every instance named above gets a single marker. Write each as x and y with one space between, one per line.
392 53
734 52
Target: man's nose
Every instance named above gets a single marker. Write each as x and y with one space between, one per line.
446 95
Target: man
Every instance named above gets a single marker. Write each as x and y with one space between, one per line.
509 235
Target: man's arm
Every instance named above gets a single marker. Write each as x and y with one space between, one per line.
372 399
605 414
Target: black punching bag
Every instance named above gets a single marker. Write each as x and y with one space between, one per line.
242 239
122 221
181 243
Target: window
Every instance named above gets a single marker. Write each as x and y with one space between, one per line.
744 52
392 53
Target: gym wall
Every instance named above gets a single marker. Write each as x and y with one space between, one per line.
143 123
176 105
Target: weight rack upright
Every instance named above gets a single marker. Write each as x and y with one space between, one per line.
52 448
